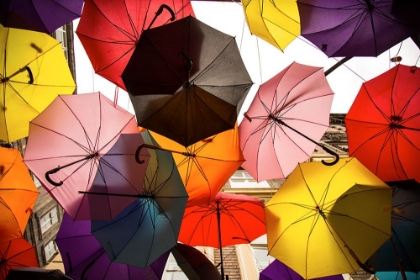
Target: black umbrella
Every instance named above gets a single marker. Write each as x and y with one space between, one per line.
36 273
186 80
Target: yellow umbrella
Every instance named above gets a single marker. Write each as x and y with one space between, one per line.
275 21
33 71
327 220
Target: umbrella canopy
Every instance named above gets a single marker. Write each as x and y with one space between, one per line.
387 140
149 227
394 275
276 22
229 219
183 75
207 165
279 271
36 273
84 257
313 226
77 137
18 194
109 30
33 71
42 16
401 253
355 28
195 264
288 114
16 253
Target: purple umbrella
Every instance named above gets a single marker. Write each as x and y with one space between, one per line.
42 16
279 271
357 28
84 257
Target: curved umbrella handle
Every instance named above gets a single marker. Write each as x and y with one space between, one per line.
31 76
140 161
52 171
331 152
159 11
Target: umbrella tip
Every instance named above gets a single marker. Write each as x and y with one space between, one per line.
38 49
396 59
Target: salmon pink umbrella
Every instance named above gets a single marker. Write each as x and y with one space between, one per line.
289 113
110 30
86 143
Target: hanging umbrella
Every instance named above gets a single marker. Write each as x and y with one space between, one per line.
288 115
82 143
109 30
401 253
205 166
395 275
194 263
276 22
33 71
314 226
148 227
84 257
16 253
18 194
41 16
229 219
355 28
387 140
183 75
36 273
279 271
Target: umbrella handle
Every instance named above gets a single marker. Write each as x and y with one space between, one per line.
190 63
159 11
31 76
55 170
140 161
331 152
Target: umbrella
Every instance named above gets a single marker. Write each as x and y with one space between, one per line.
41 16
109 30
277 23
33 71
205 166
230 219
396 275
279 271
387 140
355 28
194 263
18 194
401 253
314 226
16 253
84 257
36 273
288 114
148 227
183 75
76 138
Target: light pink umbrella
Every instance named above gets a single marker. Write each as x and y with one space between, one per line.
287 117
86 143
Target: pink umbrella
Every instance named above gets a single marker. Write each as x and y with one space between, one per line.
86 143
287 117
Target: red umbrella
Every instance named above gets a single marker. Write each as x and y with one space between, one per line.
16 253
110 30
387 138
86 143
229 219
289 113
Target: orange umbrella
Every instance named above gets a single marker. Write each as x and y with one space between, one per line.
18 194
207 165
16 253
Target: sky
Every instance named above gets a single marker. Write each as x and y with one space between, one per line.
263 61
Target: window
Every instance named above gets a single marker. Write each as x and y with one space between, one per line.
48 220
242 179
173 271
260 253
50 250
60 35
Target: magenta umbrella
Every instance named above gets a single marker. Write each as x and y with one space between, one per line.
86 143
287 117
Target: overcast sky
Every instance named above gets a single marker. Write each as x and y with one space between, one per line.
264 61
